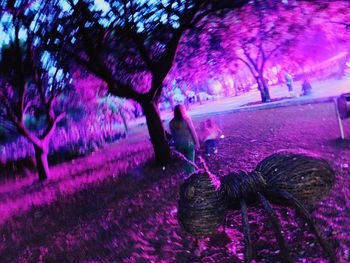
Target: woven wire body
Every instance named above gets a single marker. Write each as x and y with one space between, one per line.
202 208
286 179
307 178
242 186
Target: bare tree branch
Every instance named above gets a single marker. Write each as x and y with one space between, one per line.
248 65
49 131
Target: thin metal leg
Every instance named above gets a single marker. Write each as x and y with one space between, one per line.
340 123
308 218
247 240
276 228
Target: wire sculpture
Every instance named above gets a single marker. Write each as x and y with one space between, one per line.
287 179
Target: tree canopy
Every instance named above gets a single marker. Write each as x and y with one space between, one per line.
135 47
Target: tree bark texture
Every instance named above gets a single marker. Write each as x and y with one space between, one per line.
41 154
264 90
157 133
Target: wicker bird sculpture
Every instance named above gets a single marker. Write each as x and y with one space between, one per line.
287 179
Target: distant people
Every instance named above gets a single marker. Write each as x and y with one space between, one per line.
184 135
210 133
306 87
289 82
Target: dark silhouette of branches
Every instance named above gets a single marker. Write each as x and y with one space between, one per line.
131 46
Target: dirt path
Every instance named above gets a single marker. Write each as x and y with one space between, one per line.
132 217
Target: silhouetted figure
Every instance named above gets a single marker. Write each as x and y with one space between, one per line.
184 135
289 82
306 87
209 134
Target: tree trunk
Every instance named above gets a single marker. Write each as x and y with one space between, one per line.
264 90
157 133
109 125
125 123
42 164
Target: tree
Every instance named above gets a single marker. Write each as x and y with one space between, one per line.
116 109
203 60
252 35
29 87
261 35
263 30
130 45
324 40
334 20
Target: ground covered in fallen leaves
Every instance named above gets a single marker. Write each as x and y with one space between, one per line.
116 206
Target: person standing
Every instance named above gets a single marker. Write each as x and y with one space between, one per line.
289 82
184 135
306 87
210 133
